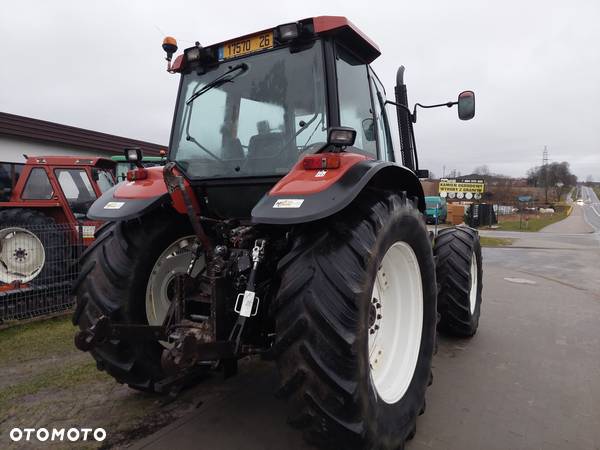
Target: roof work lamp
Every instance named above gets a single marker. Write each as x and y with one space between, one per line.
288 32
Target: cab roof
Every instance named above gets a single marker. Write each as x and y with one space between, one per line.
345 30
337 26
75 161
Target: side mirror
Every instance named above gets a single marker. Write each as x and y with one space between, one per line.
466 105
368 126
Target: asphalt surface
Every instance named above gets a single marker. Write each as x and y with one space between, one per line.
591 207
529 379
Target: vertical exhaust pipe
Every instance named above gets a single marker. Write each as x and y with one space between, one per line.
404 122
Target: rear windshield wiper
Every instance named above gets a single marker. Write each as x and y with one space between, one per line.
221 79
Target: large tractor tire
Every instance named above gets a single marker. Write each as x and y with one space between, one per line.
459 277
128 274
356 324
32 249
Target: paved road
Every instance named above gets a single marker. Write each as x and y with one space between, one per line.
575 223
530 378
591 207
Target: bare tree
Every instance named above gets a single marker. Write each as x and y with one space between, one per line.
482 170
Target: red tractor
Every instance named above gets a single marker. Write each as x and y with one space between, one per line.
43 206
287 223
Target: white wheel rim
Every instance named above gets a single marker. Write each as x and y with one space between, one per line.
22 255
172 263
473 291
395 322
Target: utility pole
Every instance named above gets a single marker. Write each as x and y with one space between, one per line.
545 169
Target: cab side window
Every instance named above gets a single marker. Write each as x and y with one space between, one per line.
355 100
383 130
38 186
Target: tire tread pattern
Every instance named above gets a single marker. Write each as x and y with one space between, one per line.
454 249
315 309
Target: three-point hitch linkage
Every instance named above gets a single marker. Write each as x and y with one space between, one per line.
190 344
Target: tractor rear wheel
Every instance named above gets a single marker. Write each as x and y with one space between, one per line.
355 321
128 275
459 272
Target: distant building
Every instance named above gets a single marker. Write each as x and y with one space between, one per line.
19 135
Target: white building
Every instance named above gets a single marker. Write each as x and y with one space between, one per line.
23 135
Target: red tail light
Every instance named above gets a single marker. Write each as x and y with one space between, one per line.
321 161
137 174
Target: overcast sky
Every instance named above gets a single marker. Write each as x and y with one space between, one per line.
534 65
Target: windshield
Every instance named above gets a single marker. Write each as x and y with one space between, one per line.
77 188
256 123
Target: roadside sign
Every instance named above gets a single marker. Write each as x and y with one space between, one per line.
453 188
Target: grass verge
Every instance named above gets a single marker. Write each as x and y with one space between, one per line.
487 241
37 339
535 223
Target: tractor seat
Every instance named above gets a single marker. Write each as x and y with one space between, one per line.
265 152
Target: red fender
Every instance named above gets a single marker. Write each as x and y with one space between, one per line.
130 199
306 195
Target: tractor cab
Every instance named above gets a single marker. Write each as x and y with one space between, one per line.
250 108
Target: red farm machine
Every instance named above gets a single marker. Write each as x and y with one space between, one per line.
43 206
287 223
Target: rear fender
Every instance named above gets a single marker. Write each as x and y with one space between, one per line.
130 199
309 195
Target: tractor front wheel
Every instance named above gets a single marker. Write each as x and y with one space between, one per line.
459 277
355 320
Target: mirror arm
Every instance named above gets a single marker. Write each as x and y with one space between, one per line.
448 104
404 107
413 114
